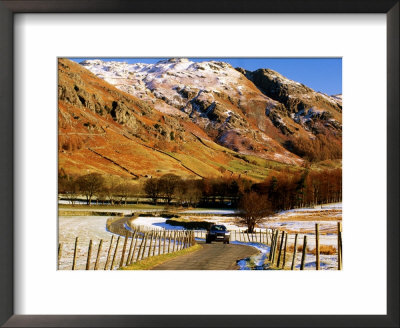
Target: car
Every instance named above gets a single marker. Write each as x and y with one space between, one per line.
218 232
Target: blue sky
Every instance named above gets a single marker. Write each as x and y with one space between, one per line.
320 74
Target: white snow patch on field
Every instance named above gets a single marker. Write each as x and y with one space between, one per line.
86 228
121 211
94 228
206 211
154 223
325 207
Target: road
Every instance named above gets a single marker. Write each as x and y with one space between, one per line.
214 256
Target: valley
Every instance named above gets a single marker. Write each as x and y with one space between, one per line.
170 144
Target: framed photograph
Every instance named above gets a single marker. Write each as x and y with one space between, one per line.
197 164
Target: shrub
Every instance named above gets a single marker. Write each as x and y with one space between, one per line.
190 225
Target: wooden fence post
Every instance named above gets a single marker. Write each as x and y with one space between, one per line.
130 249
276 246
164 241
317 246
145 244
294 252
75 254
134 248
109 253
121 263
339 247
140 247
180 240
89 255
155 244
271 236
115 253
169 241
96 265
59 255
280 248
284 252
151 242
174 238
271 247
159 242
303 256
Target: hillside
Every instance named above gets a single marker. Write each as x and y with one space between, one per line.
192 119
103 129
250 112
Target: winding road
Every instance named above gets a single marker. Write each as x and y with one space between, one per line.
214 256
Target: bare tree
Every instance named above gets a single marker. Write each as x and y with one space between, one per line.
188 193
69 187
111 187
124 190
168 184
71 190
90 184
253 209
152 190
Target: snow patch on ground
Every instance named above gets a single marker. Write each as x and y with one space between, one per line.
154 222
209 211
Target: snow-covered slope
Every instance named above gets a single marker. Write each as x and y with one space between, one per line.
177 82
253 113
214 95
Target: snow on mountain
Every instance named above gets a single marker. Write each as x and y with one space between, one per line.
175 81
212 94
248 112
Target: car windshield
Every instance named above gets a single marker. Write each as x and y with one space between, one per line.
219 228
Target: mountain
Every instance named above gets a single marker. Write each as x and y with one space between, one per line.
192 119
242 110
312 110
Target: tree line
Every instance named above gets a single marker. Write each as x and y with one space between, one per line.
301 189
282 190
94 186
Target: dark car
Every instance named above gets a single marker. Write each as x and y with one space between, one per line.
218 232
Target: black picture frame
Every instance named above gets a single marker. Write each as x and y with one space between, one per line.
7 11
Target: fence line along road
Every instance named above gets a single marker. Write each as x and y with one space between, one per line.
131 244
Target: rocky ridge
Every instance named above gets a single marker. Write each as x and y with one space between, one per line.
174 116
213 95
